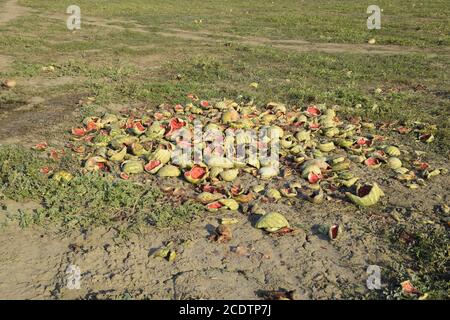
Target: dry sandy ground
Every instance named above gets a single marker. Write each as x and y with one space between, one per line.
35 263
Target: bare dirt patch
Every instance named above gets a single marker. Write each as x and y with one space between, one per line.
12 10
37 118
41 81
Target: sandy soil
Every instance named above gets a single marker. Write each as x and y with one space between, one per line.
12 10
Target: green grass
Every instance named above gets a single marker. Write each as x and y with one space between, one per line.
87 200
403 22
20 173
424 262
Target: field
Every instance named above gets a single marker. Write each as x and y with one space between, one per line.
140 54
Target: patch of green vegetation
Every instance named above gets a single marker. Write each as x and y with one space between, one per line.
167 216
403 23
89 110
430 257
74 68
86 200
20 174
25 218
423 259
